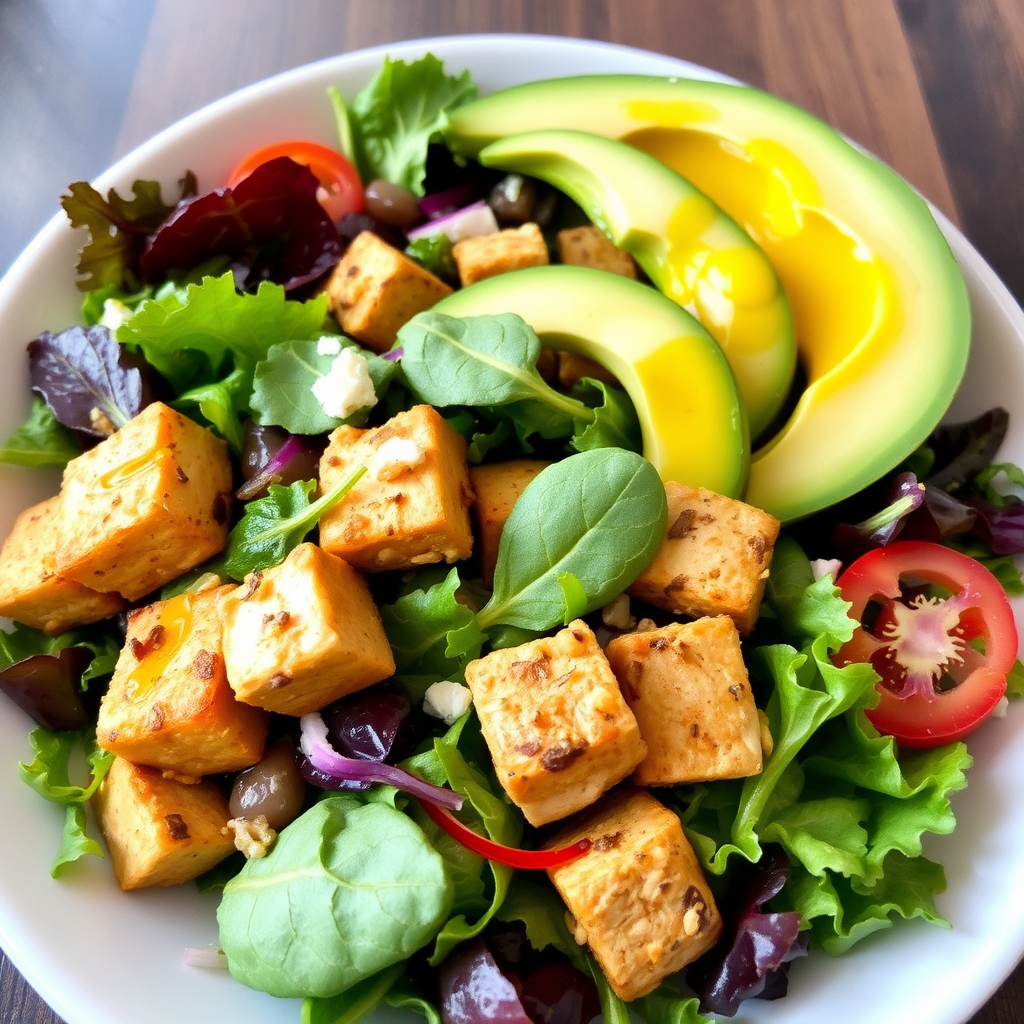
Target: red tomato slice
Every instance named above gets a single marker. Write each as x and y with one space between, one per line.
966 641
341 188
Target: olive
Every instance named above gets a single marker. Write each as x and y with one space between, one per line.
559 994
513 198
391 203
273 788
353 224
260 445
49 688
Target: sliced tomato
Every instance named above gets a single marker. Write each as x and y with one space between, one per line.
938 629
341 188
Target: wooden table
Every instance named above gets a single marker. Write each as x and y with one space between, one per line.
935 87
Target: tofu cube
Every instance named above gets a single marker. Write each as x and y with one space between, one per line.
687 685
145 505
375 289
32 592
169 704
159 831
558 729
496 487
638 898
412 506
588 246
500 252
303 634
714 559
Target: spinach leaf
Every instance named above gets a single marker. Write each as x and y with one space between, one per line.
348 890
479 361
282 388
355 1003
274 525
398 112
615 423
222 404
40 440
599 515
434 252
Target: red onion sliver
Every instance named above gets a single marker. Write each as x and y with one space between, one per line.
210 957
439 203
473 220
273 468
316 746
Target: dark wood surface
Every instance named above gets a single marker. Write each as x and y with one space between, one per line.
935 87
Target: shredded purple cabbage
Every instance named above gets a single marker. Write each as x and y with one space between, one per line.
316 746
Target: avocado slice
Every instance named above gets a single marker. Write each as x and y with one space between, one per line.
691 418
880 307
691 251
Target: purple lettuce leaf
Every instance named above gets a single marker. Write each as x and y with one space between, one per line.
271 225
758 944
87 379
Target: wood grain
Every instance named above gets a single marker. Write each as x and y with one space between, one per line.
934 87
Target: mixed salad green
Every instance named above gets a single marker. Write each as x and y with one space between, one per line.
825 843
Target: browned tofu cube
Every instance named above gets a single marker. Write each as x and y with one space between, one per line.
30 589
496 487
588 246
303 634
555 722
638 898
375 289
714 559
160 831
145 505
169 704
573 367
412 506
500 252
687 685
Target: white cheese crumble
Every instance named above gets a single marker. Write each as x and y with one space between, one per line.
328 346
447 701
395 456
115 312
346 387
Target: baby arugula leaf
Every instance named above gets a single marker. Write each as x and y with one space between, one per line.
599 516
40 440
274 525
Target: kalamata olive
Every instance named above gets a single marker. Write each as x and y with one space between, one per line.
49 688
371 724
512 199
474 991
274 788
559 994
353 224
391 203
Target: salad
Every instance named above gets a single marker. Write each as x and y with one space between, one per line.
435 634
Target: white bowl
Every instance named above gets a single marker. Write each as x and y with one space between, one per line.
102 957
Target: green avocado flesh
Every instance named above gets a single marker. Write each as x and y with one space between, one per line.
691 418
879 305
692 252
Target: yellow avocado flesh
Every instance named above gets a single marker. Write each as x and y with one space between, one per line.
693 253
691 418
880 308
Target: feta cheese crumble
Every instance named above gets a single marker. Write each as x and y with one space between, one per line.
395 456
346 387
447 701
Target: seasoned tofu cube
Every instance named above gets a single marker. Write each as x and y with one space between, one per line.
500 252
573 367
412 506
375 289
714 559
638 898
160 831
555 721
496 487
169 704
145 505
687 685
32 592
303 634
588 246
